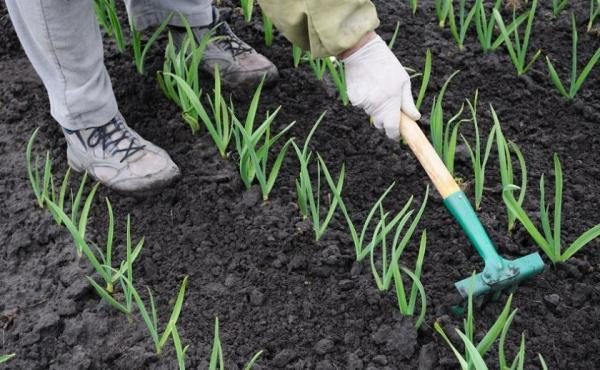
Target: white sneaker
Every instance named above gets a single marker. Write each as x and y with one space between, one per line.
118 157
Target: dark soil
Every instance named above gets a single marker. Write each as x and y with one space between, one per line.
256 266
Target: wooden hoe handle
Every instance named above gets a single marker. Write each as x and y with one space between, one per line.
427 156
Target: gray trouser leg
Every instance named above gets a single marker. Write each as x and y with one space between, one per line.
146 13
63 42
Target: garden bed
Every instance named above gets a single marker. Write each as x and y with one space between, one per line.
256 265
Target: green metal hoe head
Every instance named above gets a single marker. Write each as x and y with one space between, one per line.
501 275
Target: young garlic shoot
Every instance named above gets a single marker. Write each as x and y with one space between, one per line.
425 76
473 357
485 26
139 53
309 199
424 79
576 80
474 150
245 138
102 264
549 239
123 274
594 13
220 126
6 358
126 267
390 263
77 228
254 144
44 187
76 201
519 47
45 190
362 248
338 75
459 31
475 352
392 41
40 188
399 243
266 179
318 65
267 29
106 14
413 5
542 362
505 148
296 55
216 355
304 187
180 350
444 135
184 61
247 8
151 318
417 290
442 8
558 6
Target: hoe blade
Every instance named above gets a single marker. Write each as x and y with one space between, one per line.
509 273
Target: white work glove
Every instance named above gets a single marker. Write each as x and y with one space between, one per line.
377 83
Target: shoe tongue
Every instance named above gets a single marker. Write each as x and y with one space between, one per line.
229 41
112 140
117 134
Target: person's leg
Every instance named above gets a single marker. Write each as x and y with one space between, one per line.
146 13
63 43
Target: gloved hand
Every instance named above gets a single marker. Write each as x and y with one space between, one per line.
377 82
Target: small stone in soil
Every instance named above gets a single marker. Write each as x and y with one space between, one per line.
349 339
47 321
552 299
257 297
331 255
284 357
30 338
324 346
353 362
230 281
380 360
304 225
324 365
427 357
279 261
296 263
345 284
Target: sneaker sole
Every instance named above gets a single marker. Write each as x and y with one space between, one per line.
156 187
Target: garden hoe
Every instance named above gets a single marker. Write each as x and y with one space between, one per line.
499 273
